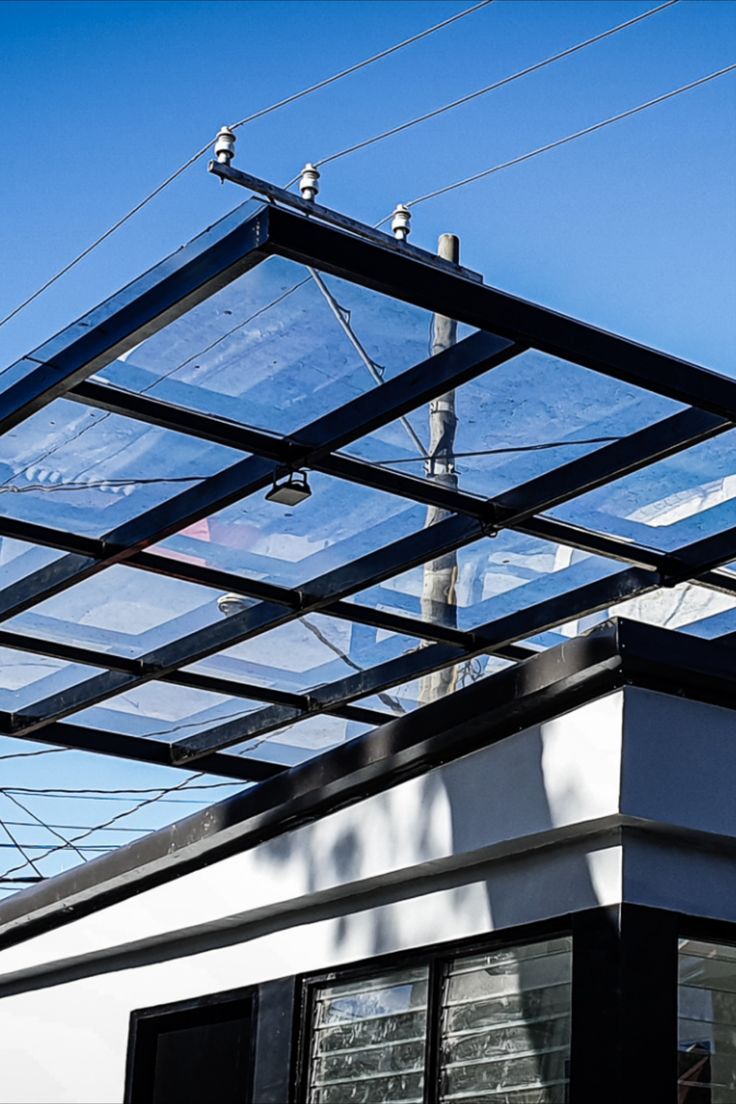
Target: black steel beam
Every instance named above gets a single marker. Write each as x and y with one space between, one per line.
523 623
213 259
316 595
142 749
509 510
213 684
476 354
360 261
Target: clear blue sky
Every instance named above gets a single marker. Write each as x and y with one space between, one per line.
633 228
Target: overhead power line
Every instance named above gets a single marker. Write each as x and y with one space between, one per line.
491 87
241 123
563 141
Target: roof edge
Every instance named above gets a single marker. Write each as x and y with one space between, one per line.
611 655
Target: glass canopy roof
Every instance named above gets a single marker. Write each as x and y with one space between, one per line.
174 620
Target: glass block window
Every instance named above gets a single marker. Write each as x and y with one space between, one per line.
706 1023
369 1040
506 1025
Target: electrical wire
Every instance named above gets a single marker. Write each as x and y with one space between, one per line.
503 451
241 123
490 87
360 65
30 813
62 790
101 827
31 754
563 141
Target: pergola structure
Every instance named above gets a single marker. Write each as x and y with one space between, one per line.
211 396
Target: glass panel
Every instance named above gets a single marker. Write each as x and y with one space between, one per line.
160 709
668 504
707 1023
300 741
697 610
262 539
406 696
487 580
18 560
27 678
368 1040
307 653
123 611
268 350
518 421
88 471
506 1025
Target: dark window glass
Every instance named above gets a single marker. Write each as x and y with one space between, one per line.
193 1055
706 1023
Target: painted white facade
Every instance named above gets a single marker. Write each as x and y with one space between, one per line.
521 831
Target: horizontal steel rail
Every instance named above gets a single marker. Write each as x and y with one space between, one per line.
142 749
417 664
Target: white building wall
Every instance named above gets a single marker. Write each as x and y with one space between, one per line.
511 834
501 837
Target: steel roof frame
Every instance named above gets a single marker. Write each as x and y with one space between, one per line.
61 367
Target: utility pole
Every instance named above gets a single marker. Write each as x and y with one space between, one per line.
439 590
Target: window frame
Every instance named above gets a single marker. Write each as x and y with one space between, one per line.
436 956
139 1066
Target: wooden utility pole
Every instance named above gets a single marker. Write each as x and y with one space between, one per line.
439 596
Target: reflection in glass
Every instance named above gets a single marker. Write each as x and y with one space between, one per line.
306 653
368 1040
518 421
267 351
87 471
707 1023
123 611
491 579
263 539
26 678
506 1025
666 505
164 711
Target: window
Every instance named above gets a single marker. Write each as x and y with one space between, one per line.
181 1053
502 1031
369 1040
506 1025
706 1023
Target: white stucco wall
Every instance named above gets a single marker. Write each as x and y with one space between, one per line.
510 834
504 836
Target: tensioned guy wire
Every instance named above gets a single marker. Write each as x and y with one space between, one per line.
562 141
241 123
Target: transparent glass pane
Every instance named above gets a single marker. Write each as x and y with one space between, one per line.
518 421
406 696
18 560
707 1022
694 609
506 1024
487 580
160 709
123 611
269 351
669 504
307 653
26 678
303 740
368 1040
290 545
88 471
